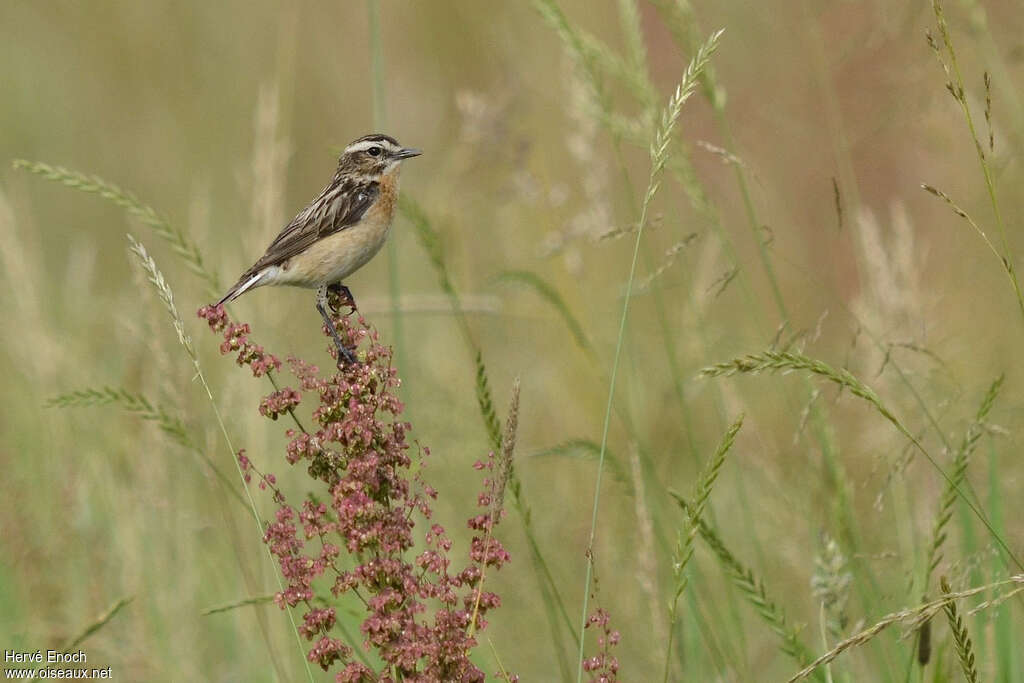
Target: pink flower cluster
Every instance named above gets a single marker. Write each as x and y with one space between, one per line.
603 667
355 541
236 339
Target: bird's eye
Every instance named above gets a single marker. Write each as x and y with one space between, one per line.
374 151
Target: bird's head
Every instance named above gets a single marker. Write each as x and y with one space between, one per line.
373 156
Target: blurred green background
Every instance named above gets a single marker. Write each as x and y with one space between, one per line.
792 216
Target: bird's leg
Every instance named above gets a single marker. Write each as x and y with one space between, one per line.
321 300
339 295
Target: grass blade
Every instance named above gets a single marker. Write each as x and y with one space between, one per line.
659 157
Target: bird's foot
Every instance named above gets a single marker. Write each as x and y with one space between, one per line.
338 296
344 354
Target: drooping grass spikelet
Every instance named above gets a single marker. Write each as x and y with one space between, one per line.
668 261
961 637
996 601
688 531
753 589
133 403
913 617
775 361
963 214
179 242
138 404
946 54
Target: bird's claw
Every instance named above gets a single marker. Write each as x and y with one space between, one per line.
339 296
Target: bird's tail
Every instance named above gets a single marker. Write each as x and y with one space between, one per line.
244 284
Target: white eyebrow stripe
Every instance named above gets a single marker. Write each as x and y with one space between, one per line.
367 144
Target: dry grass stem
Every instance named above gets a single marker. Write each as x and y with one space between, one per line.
914 617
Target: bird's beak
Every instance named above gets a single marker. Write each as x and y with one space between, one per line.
408 153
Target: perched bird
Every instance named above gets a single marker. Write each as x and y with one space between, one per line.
340 230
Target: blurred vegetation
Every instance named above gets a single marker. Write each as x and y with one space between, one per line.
790 218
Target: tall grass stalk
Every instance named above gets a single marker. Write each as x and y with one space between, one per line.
774 361
659 156
688 532
166 296
955 86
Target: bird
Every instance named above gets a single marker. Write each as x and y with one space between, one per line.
338 232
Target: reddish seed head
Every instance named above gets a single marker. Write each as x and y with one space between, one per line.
366 505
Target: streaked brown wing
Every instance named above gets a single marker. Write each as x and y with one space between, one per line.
339 206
